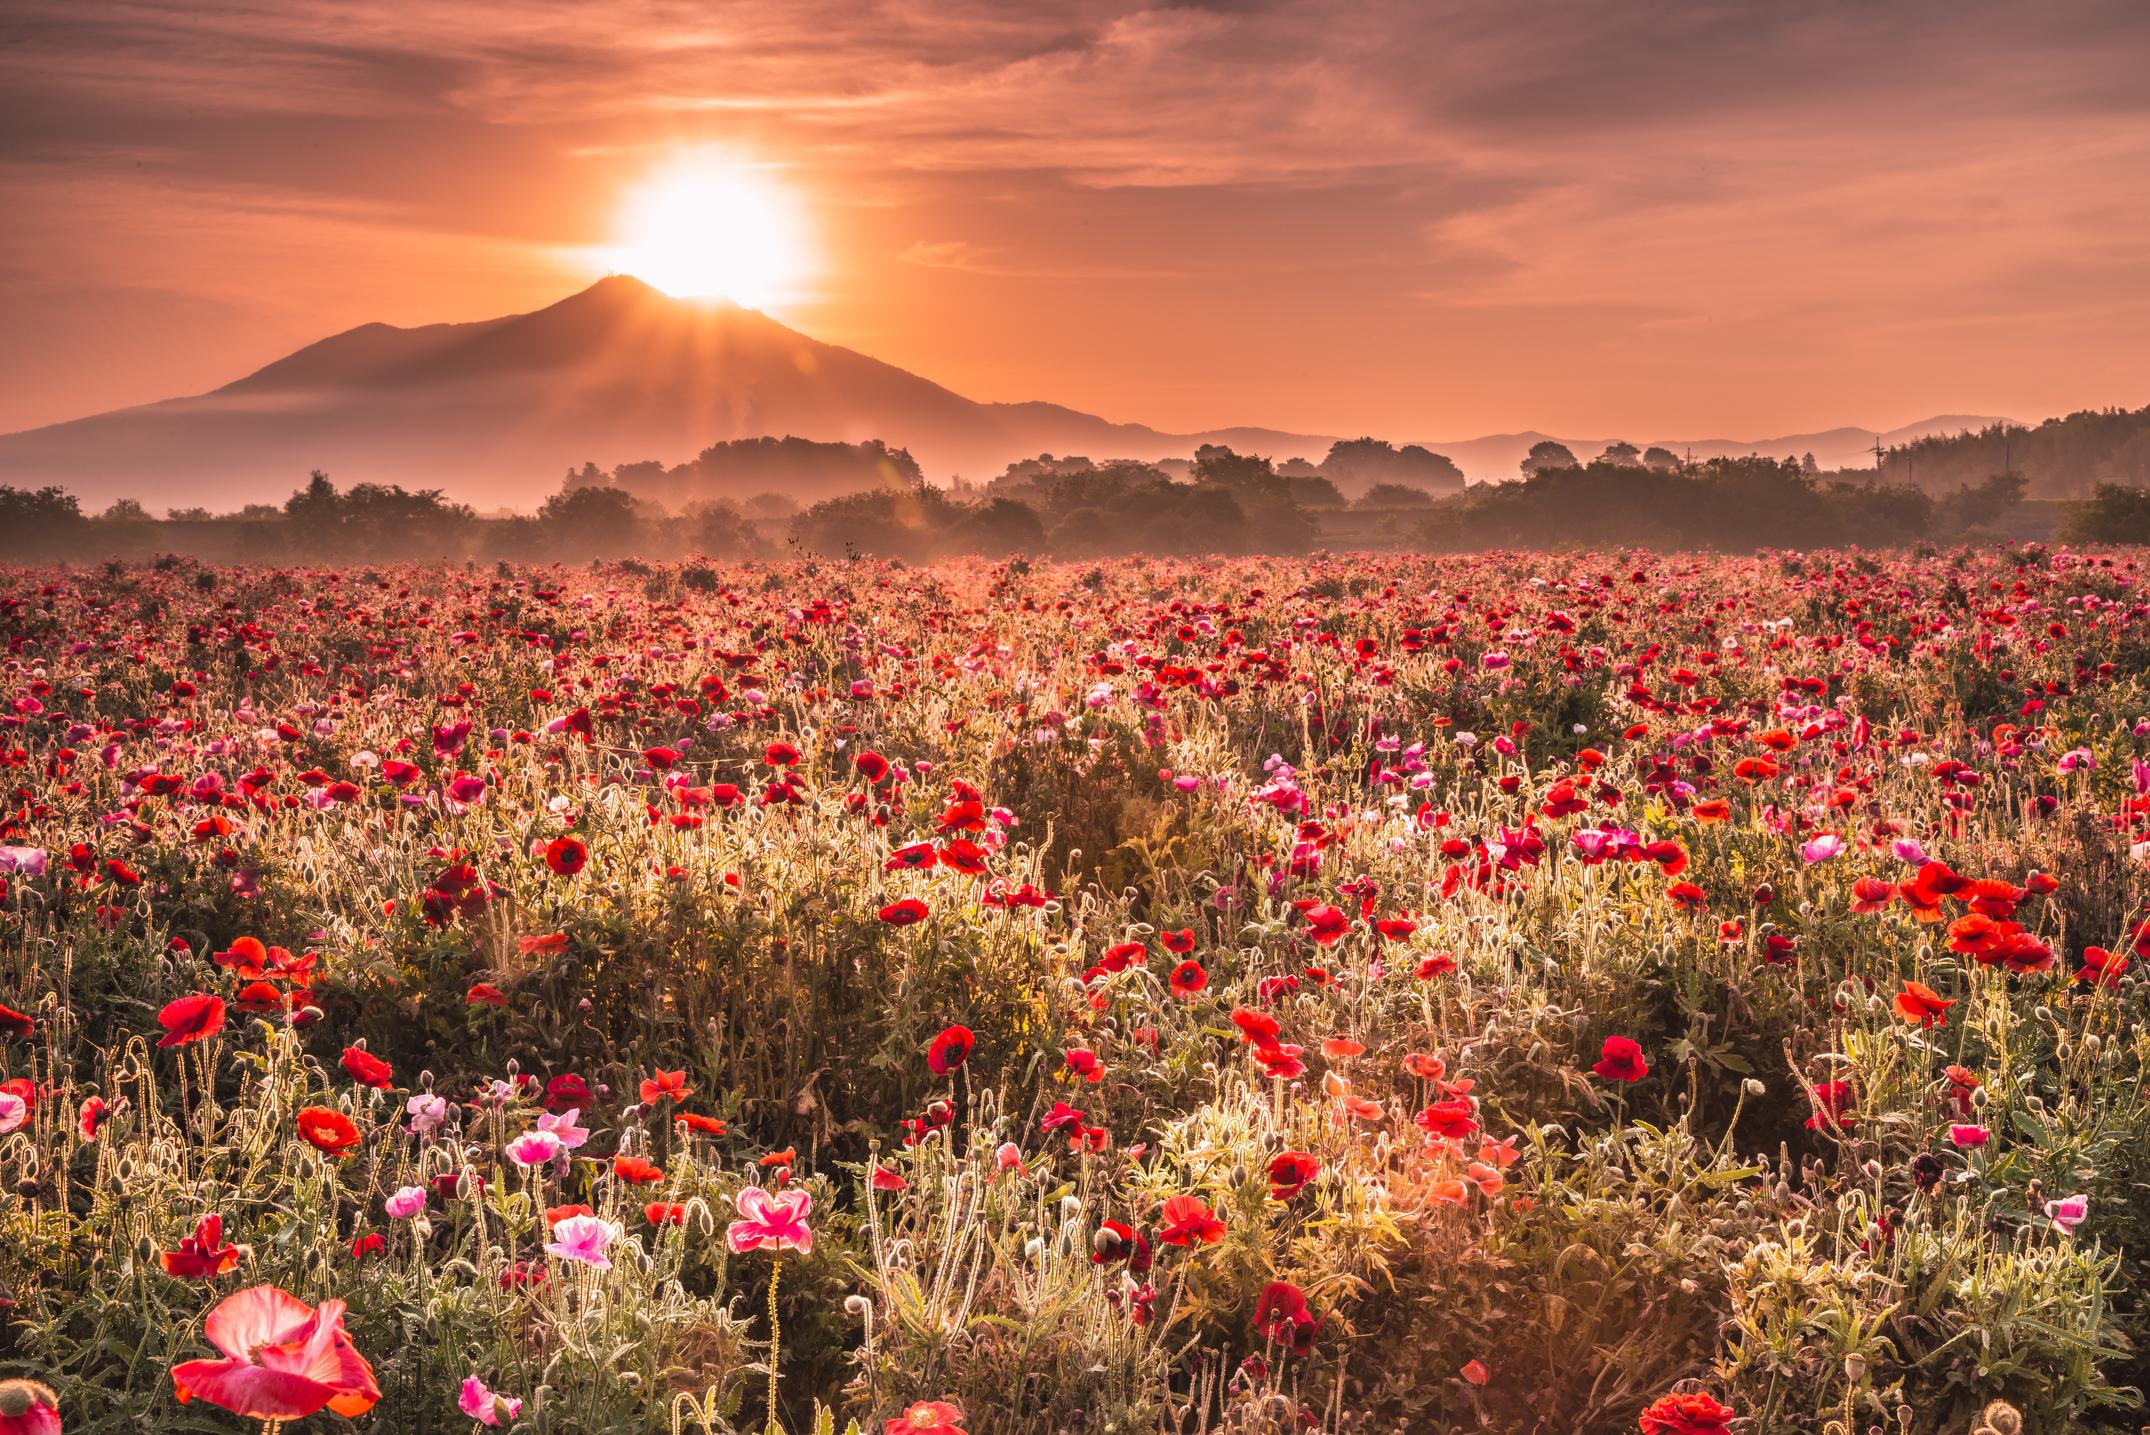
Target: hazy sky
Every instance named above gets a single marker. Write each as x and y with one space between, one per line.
1420 220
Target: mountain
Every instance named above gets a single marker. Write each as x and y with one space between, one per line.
495 411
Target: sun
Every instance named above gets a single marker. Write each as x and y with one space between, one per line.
711 227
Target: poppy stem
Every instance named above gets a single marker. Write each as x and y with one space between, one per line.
776 1272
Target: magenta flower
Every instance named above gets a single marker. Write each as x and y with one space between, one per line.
1821 848
534 1148
2067 1213
770 1220
1968 1136
406 1202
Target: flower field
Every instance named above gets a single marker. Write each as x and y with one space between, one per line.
1514 993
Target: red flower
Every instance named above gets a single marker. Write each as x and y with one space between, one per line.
871 765
203 1254
1921 1003
1326 924
904 913
1830 1100
366 1069
328 1131
1178 943
1188 1221
663 1213
1692 1414
28 1408
191 1019
566 855
94 1114
949 1050
928 1417
1451 1120
780 754
706 1125
636 1171
567 1091
662 1084
1188 978
1290 1172
2102 968
1621 1060
1118 1241
283 1360
485 994
14 1023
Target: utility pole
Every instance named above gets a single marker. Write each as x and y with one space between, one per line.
1879 456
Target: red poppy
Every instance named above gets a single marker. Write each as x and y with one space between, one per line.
566 855
871 765
1452 1119
915 858
1621 1060
14 1023
485 994
1188 978
662 1085
1178 943
780 754
636 1171
2102 968
1691 1414
203 1254
949 1050
706 1125
92 1115
328 1131
366 1069
283 1360
191 1019
1290 1172
567 1091
1188 1221
1326 924
904 913
1921 1003
1831 1099
663 1213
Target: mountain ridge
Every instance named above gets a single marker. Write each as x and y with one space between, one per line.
493 409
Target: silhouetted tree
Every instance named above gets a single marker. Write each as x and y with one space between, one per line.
1546 455
1622 452
1662 459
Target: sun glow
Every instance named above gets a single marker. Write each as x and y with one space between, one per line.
709 227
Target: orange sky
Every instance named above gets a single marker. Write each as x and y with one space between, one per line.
1419 220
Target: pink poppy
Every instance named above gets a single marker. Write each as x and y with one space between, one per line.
770 1220
485 1406
583 1238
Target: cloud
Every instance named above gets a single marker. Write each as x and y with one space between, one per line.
998 263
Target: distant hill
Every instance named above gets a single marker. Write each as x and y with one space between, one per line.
495 411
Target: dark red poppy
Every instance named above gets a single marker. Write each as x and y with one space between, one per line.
1290 1172
566 855
949 1050
1188 978
1621 1060
365 1068
14 1023
904 913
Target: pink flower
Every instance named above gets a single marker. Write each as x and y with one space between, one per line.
770 1219
1821 848
2068 1213
534 1148
1966 1137
407 1202
584 1239
485 1406
283 1360
14 1111
562 1128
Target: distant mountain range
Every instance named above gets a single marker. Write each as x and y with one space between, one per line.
495 411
